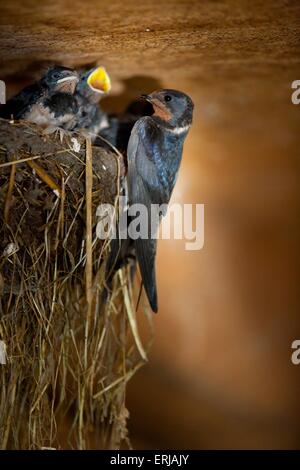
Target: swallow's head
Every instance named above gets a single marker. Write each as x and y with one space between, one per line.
94 84
172 106
61 79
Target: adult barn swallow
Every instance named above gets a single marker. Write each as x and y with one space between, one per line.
48 102
93 85
154 154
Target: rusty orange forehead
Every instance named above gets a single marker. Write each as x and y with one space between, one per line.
160 108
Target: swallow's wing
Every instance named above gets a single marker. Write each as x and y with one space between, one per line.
22 102
145 187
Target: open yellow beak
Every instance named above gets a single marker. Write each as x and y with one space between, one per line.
99 80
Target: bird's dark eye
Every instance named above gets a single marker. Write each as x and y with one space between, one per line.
168 98
56 75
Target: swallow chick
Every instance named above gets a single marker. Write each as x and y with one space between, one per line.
93 85
154 155
49 102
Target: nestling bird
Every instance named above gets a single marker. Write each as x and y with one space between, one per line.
49 102
154 154
93 85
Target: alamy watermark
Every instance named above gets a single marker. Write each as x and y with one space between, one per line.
2 353
295 357
2 92
180 222
295 97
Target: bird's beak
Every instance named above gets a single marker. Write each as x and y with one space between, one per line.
99 80
154 101
67 84
147 98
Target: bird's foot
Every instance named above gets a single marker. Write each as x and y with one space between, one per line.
58 132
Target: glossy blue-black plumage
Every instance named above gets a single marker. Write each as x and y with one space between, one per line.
154 156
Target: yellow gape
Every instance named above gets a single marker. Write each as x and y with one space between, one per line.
99 80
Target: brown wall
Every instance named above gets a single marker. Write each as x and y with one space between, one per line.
219 373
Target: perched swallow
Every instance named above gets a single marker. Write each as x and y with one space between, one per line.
48 102
154 154
92 87
118 134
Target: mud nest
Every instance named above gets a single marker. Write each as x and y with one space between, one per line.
69 352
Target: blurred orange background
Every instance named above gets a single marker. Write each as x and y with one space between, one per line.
220 374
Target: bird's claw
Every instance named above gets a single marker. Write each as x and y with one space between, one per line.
57 131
